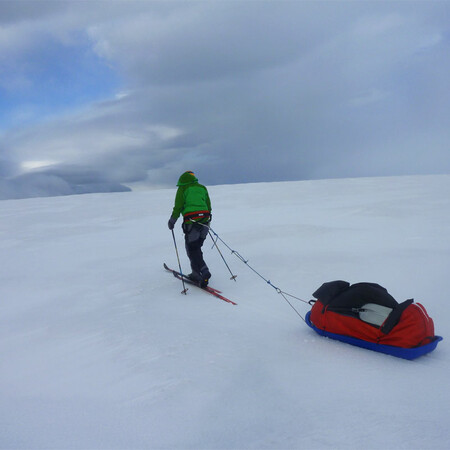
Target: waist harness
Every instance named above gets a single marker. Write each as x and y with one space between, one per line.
197 216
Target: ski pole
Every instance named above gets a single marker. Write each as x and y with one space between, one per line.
233 277
179 264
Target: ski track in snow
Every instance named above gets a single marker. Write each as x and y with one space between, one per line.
100 350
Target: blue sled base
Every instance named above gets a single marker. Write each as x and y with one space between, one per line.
399 352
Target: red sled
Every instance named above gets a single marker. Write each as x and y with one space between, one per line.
366 315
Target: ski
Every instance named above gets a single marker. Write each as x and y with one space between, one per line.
208 289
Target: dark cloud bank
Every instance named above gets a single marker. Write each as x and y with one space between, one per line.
55 182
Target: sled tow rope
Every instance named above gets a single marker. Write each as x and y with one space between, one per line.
284 294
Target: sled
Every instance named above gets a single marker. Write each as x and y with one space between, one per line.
399 352
367 316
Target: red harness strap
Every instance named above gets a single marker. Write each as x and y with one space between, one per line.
196 216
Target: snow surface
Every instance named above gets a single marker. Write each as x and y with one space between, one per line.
99 349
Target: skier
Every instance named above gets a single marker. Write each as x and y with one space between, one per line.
193 202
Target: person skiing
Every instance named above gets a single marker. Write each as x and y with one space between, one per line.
193 202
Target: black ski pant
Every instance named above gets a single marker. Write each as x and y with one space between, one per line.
194 236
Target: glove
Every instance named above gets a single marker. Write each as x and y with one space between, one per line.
171 223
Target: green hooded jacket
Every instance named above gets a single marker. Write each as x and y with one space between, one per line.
191 197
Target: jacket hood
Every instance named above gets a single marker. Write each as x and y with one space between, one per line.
187 178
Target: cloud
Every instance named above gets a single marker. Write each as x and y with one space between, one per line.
57 181
238 92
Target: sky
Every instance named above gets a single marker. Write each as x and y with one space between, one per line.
102 96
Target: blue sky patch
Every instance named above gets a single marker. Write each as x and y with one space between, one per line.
53 79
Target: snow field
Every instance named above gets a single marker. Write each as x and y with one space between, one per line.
100 350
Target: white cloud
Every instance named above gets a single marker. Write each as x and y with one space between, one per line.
30 165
